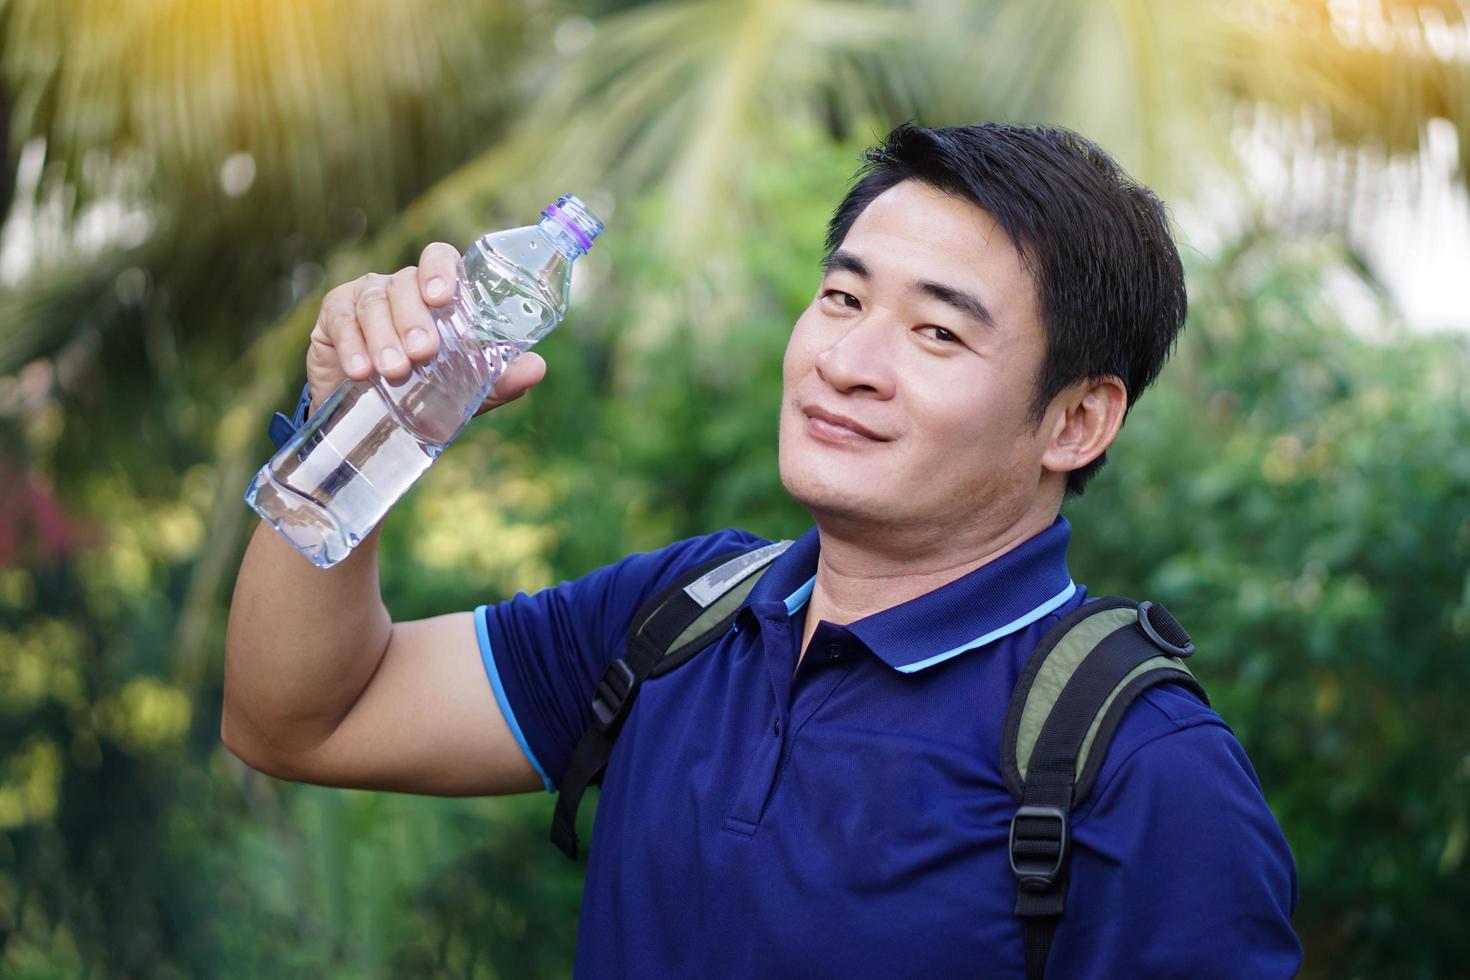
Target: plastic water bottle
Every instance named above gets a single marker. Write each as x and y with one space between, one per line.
370 440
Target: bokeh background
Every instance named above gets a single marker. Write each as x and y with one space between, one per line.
183 180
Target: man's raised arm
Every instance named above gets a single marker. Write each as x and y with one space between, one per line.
320 684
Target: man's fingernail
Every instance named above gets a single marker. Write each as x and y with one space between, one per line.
435 288
391 359
357 363
416 340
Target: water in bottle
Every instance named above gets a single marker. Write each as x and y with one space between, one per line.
335 479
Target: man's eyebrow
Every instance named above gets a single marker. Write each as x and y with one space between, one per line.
840 261
967 303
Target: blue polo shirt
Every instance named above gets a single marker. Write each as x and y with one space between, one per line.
849 818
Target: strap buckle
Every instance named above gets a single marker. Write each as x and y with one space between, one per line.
1160 626
1038 847
613 695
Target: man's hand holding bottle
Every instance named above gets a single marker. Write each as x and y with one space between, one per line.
382 325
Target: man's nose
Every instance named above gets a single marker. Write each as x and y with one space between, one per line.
861 359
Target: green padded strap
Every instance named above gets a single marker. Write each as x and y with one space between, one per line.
1057 670
724 591
717 610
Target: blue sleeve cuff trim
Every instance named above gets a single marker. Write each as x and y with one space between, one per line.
482 633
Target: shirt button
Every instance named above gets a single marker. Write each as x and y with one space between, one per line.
776 728
834 651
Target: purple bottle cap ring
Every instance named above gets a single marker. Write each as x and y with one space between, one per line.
556 213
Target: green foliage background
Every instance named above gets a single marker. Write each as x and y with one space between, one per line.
1296 489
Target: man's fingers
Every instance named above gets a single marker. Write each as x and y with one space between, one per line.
438 272
524 373
380 324
337 328
375 317
411 318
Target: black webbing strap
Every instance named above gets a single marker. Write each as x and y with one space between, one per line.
611 700
1040 830
662 622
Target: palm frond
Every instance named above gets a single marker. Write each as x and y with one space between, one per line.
253 138
1375 78
681 95
333 101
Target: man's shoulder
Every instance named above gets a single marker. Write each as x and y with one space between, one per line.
1167 728
1153 732
1169 736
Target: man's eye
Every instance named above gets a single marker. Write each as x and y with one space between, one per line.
942 335
847 300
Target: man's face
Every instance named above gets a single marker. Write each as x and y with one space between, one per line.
907 382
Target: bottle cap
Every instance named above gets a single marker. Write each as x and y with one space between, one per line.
570 213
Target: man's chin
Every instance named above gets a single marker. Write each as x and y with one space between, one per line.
828 503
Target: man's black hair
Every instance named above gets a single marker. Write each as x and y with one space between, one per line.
1109 284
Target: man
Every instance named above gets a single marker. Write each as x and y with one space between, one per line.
819 792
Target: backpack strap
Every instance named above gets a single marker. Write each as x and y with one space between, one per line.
669 629
1063 712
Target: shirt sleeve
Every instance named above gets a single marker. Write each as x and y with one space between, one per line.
544 653
1179 869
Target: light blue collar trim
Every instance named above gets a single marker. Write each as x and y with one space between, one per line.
793 602
1020 622
799 598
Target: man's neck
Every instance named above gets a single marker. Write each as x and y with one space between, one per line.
858 576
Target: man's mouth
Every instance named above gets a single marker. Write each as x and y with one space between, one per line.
836 427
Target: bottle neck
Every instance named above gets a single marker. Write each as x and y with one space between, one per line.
564 235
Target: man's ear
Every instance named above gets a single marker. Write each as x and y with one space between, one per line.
1084 420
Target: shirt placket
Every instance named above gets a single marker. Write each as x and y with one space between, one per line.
824 667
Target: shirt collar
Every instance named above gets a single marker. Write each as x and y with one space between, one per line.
995 600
